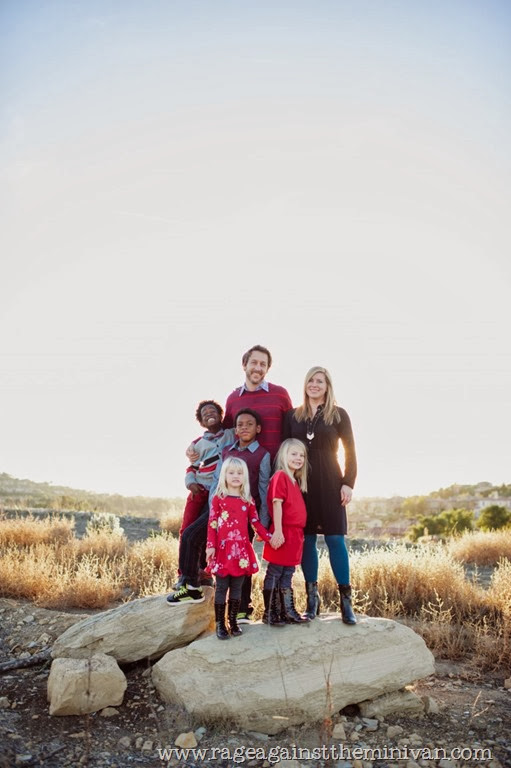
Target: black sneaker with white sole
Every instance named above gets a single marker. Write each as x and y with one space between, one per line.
186 594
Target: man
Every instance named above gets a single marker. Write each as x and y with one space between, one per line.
269 400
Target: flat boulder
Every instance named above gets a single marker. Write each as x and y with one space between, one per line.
141 629
272 678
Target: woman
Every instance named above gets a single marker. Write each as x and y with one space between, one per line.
320 423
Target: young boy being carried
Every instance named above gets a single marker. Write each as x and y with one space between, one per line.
200 474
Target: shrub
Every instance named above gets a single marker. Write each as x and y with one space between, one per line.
171 521
27 531
480 548
493 518
447 523
104 522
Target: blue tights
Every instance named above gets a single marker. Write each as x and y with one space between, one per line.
337 552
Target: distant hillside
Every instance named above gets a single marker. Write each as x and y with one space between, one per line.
394 516
368 516
16 493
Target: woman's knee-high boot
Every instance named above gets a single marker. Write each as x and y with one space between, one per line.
221 629
313 600
348 616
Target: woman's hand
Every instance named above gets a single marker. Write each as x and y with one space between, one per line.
346 494
277 539
210 552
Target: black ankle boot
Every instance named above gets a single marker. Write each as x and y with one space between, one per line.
289 612
271 613
348 616
221 629
232 613
313 601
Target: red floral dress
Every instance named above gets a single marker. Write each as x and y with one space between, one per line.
228 535
294 517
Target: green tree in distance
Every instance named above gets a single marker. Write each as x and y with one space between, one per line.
494 517
447 523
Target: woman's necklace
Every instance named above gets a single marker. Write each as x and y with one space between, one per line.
310 424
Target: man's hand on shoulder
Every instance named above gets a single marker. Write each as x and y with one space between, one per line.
191 453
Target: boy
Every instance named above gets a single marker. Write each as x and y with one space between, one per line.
199 475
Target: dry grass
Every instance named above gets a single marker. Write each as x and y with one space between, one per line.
26 531
44 562
171 521
481 548
424 586
152 565
101 544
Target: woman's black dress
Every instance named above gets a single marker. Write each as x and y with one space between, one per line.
325 513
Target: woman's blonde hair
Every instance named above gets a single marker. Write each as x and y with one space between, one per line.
281 462
330 412
222 490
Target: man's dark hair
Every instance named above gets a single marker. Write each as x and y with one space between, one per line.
256 348
208 402
249 412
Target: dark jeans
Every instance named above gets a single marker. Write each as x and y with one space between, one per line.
191 547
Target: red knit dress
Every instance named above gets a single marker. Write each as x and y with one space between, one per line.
294 517
228 535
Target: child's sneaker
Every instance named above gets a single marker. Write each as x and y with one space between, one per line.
242 618
179 583
186 594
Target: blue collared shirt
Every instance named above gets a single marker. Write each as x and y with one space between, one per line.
263 385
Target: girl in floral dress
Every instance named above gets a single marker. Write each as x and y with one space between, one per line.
229 553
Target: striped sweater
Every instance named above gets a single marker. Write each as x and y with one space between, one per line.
270 405
209 447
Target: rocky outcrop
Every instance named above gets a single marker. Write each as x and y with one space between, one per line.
78 686
142 629
406 702
269 678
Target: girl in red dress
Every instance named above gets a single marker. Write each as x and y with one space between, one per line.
289 515
229 553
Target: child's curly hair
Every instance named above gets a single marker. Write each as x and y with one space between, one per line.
208 402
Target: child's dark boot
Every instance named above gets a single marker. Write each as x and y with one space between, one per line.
289 612
221 629
271 613
232 612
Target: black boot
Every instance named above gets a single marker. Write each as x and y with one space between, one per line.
271 613
348 616
289 612
313 601
221 629
232 613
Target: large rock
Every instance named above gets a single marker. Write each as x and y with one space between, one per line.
78 686
406 702
269 678
145 628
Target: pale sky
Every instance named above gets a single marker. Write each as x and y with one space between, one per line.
182 180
